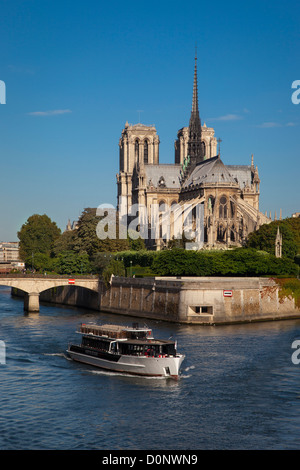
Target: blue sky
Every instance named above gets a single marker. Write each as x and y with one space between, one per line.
76 71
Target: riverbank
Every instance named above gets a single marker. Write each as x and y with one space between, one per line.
192 300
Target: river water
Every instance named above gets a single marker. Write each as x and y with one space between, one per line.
238 389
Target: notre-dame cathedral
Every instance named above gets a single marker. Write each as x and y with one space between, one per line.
229 194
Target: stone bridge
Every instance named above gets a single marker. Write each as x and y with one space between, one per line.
34 285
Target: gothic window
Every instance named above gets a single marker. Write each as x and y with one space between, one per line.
221 234
136 150
203 148
162 206
122 158
232 234
232 209
223 208
146 152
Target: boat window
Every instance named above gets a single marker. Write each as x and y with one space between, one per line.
95 343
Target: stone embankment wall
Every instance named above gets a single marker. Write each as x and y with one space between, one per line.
207 300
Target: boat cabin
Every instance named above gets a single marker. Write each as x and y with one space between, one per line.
133 341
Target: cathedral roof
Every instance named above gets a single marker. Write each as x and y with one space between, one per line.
167 176
212 170
241 173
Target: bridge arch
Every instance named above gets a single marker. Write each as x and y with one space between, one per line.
33 286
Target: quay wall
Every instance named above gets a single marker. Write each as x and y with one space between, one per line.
199 300
190 300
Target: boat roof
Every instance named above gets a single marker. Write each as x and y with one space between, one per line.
122 328
118 332
116 327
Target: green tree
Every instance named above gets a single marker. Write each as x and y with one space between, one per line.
100 260
65 242
37 235
86 236
264 237
40 262
115 268
135 244
69 262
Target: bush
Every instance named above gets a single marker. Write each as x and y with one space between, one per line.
238 262
142 258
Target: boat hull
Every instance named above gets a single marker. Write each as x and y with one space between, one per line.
133 365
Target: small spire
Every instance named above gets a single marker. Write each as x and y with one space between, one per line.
219 142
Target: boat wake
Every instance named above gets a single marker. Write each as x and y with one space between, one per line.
59 355
189 368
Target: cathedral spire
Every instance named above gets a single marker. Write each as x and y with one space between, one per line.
195 145
195 109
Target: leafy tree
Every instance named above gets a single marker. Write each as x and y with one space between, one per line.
100 260
136 244
264 237
65 242
116 268
86 237
69 262
40 262
37 235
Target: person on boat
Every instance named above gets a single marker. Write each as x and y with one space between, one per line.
150 352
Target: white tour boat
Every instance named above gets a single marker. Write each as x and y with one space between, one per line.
131 350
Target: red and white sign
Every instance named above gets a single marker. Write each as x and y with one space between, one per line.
227 293
71 281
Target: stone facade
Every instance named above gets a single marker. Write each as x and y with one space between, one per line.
229 194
